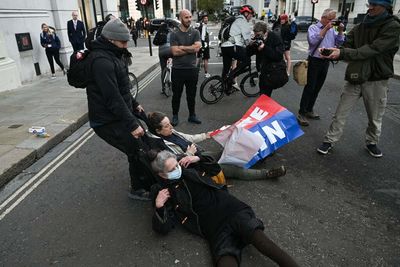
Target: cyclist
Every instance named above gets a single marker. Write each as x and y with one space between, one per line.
240 36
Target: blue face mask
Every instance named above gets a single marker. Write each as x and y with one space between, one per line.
175 174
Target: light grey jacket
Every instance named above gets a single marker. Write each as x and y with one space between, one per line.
240 33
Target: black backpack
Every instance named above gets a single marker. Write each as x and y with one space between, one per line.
223 34
78 74
161 36
93 34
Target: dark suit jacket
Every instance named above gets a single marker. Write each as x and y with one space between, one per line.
76 36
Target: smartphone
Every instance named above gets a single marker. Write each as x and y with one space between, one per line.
326 52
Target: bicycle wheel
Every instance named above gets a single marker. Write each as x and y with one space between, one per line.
249 85
134 85
167 84
212 90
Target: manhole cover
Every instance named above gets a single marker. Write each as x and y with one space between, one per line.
14 126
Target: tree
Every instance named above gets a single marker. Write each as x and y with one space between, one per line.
210 5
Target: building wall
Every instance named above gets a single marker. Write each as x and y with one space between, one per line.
305 7
27 16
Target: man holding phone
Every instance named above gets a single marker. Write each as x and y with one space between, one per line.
319 35
369 49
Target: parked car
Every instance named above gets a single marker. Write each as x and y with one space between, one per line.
303 22
155 23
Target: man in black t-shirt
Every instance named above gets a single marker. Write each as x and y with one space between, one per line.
185 43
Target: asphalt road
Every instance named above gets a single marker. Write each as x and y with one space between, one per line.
336 210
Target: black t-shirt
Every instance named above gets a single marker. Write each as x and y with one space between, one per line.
178 38
213 206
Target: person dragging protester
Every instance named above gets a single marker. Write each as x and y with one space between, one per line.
185 43
369 50
321 34
111 106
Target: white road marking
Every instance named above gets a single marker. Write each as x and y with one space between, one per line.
45 172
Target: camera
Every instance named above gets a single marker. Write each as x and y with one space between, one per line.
257 40
326 52
336 22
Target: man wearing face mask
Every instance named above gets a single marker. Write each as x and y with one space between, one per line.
369 50
207 209
111 106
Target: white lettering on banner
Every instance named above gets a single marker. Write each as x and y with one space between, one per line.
264 146
258 114
244 122
272 132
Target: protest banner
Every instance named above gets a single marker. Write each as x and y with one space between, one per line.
265 127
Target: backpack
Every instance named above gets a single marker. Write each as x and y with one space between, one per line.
161 36
93 34
79 69
293 29
223 34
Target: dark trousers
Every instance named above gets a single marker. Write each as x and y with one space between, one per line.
244 62
119 137
184 78
50 53
163 65
227 55
316 75
77 46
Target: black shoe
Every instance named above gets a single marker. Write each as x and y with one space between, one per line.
175 120
194 119
312 115
275 173
302 120
324 148
374 151
139 194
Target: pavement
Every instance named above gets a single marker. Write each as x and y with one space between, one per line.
53 104
58 107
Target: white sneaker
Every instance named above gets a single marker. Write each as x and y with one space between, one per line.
207 75
53 76
236 86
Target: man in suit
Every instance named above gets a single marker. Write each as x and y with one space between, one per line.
76 32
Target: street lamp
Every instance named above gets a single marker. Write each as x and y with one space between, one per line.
313 2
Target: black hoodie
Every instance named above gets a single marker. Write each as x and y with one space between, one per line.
109 98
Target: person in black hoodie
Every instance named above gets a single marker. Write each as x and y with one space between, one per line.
112 108
207 209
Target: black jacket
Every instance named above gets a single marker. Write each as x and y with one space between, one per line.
217 205
108 93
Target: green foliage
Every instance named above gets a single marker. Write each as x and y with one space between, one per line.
210 5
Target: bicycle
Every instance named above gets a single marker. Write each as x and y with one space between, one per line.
249 84
166 78
213 89
134 90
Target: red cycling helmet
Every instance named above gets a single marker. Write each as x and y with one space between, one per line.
247 8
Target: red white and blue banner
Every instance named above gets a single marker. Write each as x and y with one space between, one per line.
265 127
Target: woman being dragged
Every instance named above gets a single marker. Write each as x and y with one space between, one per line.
184 146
